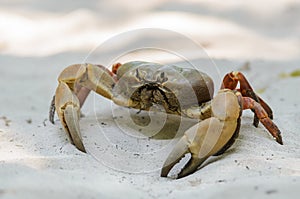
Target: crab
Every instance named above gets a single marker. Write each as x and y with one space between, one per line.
181 91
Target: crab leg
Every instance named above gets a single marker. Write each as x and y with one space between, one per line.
201 141
231 80
249 103
207 137
75 83
68 111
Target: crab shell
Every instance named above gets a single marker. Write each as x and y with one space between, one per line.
140 85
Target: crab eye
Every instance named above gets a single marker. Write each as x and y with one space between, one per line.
140 75
162 78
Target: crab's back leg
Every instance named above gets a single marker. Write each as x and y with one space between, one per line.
249 103
231 80
75 83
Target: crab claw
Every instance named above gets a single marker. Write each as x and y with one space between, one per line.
181 149
201 141
68 110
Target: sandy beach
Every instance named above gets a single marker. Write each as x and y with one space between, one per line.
39 39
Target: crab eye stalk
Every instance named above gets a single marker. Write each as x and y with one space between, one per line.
140 75
161 78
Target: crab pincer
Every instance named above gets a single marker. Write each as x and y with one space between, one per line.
75 83
214 135
209 136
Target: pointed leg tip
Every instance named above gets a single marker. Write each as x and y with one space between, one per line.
51 120
165 170
164 175
255 124
71 118
82 149
279 140
52 110
79 145
179 176
76 140
278 137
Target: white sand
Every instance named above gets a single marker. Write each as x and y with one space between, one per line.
39 39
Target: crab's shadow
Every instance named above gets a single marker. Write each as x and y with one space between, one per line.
155 126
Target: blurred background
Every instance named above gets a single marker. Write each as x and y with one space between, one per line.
250 29
39 38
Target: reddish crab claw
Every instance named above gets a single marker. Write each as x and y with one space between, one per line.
140 85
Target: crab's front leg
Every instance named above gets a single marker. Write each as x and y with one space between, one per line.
200 141
75 83
209 136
